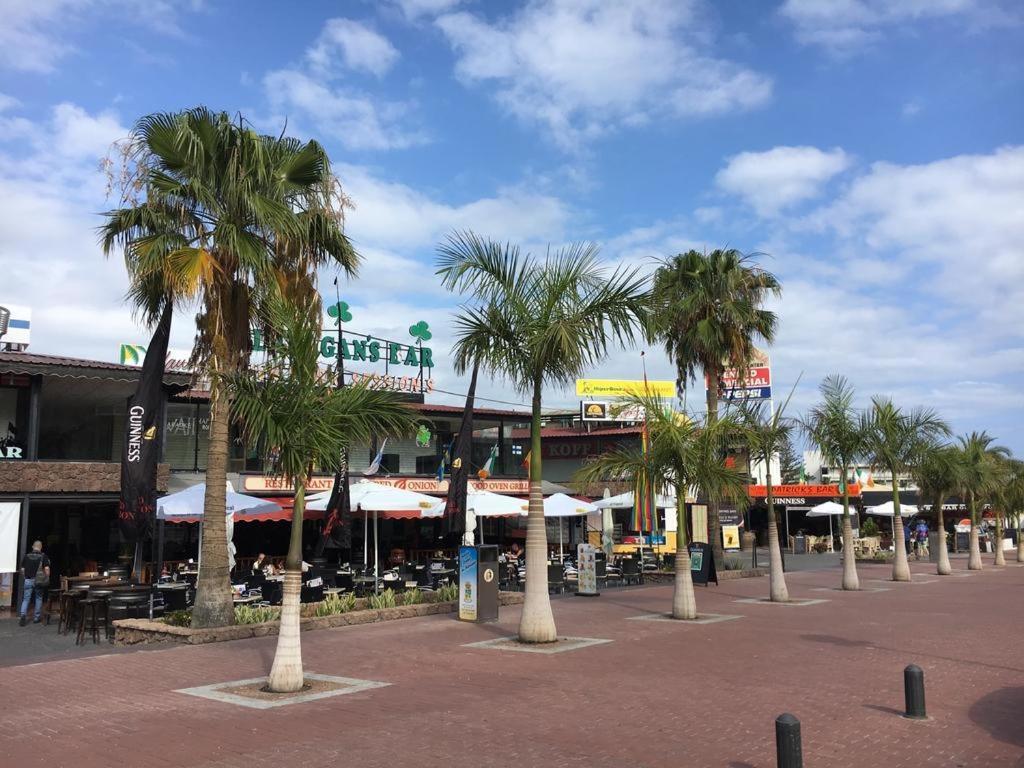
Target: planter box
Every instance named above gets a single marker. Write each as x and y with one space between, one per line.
142 631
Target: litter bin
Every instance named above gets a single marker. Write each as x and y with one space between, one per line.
800 544
936 539
478 583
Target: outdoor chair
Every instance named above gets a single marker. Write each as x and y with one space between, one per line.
424 579
134 606
312 594
273 592
630 570
556 577
175 599
343 581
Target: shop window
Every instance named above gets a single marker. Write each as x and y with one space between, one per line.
426 465
390 463
187 436
82 421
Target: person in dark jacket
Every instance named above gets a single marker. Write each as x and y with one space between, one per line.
32 564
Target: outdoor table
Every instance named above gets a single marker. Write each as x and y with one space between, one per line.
245 600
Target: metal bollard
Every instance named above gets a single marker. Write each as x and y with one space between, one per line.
913 690
788 752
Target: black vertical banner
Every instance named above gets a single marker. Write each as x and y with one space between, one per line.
455 506
338 526
141 440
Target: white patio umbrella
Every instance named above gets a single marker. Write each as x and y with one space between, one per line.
827 509
625 501
189 505
560 505
889 510
486 504
367 496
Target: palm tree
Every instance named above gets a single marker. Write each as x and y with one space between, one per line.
290 406
536 322
707 311
937 477
979 481
766 433
684 453
834 427
1013 502
896 441
217 213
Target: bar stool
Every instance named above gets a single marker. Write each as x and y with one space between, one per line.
91 618
69 608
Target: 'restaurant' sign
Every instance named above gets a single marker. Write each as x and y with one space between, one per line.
268 483
797 495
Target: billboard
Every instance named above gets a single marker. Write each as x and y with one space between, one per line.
19 324
753 383
623 388
594 411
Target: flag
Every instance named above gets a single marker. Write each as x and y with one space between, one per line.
446 459
374 467
642 519
488 468
455 504
337 528
137 506
803 475
525 463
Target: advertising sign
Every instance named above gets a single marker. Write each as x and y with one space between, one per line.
623 388
731 537
753 383
586 564
594 411
19 324
468 568
702 563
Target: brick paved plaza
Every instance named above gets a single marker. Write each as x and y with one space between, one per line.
659 694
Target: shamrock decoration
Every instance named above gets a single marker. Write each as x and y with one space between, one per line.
341 308
423 436
421 331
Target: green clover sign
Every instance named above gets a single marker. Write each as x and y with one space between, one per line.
421 331
341 308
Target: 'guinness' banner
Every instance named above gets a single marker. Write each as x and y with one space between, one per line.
141 440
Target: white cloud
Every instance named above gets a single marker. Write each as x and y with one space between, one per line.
843 26
581 69
350 116
394 216
359 46
959 221
773 180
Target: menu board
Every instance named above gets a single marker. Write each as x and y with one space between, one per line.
468 562
586 565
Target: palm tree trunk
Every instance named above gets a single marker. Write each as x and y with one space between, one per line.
943 568
286 672
684 601
714 532
974 559
537 624
900 566
213 605
850 579
1000 557
1020 543
776 576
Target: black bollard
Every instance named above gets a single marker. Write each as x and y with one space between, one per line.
788 752
913 689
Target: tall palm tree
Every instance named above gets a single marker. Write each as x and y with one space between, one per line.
708 312
766 433
937 476
290 406
219 213
684 453
1013 502
979 481
537 322
897 440
834 427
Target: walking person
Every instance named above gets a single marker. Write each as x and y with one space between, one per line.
35 568
921 535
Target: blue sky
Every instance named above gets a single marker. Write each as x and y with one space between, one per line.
872 149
